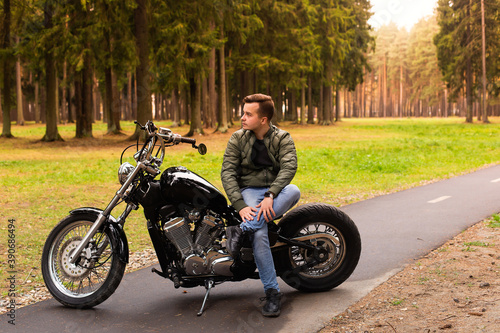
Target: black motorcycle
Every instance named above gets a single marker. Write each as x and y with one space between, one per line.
315 246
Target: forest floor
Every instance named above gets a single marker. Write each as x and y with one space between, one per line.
455 288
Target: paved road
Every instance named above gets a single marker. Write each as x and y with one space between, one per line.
395 229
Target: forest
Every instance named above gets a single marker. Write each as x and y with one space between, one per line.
192 62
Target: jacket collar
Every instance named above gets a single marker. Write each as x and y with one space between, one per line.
271 130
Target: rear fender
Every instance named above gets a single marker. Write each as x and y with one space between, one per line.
118 237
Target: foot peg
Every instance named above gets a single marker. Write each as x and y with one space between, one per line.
208 286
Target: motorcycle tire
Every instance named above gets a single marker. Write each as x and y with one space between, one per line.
336 232
88 282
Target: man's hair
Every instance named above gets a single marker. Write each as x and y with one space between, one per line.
266 104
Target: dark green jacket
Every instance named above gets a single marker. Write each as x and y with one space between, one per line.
238 170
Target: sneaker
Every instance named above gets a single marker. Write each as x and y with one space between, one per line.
233 244
272 308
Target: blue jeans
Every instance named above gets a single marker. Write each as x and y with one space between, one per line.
285 200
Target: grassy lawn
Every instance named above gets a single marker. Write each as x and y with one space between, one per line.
350 161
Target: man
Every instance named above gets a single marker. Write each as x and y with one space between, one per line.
259 163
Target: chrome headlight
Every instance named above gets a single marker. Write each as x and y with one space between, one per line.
123 172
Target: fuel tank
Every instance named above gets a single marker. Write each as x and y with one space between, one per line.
179 185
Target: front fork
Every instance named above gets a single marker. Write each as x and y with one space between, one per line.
105 214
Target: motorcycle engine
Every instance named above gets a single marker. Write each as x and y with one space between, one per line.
199 255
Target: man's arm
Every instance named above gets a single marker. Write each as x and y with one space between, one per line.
288 164
229 173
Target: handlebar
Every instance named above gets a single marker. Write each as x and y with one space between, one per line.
188 140
165 135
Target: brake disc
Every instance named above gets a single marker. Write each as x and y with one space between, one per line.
80 270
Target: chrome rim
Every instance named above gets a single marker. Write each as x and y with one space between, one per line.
334 245
89 274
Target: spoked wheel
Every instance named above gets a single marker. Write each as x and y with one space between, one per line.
338 239
327 238
96 274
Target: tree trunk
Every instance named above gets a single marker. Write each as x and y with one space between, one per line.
279 106
19 91
320 104
1 110
380 112
400 105
108 101
355 102
212 92
134 97
144 111
484 106
195 87
71 93
303 105
129 97
58 115
84 110
184 105
87 107
176 111
384 87
113 105
446 102
362 106
310 107
349 104
51 131
157 104
64 97
6 129
468 78
78 102
327 105
206 105
292 110
111 88
372 96
97 99
338 103
229 104
222 114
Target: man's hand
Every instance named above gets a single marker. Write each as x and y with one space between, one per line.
248 213
266 208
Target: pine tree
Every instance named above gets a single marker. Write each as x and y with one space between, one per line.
426 80
459 47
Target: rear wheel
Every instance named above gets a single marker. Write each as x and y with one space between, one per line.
331 230
94 277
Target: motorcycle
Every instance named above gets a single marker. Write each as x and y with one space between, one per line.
315 246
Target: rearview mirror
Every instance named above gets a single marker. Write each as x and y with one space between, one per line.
202 149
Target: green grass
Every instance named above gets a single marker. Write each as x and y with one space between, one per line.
494 222
478 244
396 301
350 161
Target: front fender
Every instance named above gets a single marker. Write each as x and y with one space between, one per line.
118 237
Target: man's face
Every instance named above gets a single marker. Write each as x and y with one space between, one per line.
250 119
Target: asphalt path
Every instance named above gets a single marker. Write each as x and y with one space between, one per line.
395 229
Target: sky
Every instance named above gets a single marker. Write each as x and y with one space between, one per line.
405 13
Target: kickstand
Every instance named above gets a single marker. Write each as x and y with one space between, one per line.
208 286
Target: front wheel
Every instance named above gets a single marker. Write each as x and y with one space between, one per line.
94 277
328 228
